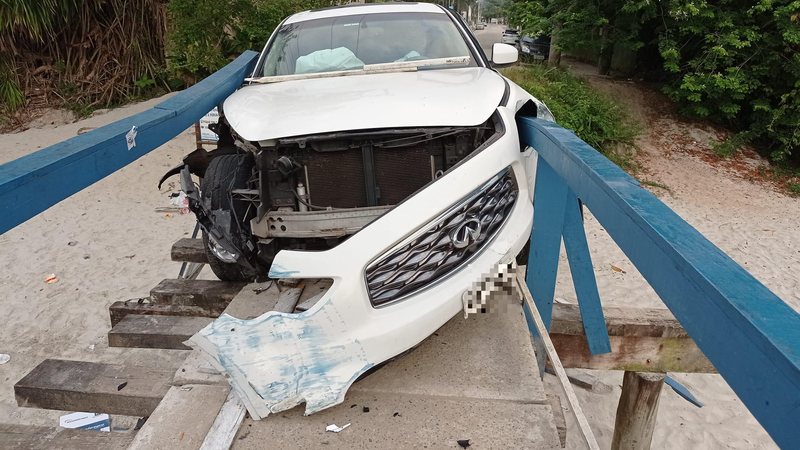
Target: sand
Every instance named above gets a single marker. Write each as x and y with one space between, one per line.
107 243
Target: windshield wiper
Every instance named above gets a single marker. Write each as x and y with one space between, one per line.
404 66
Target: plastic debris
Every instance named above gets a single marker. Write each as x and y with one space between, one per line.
52 278
683 391
463 443
4 358
335 429
179 200
85 421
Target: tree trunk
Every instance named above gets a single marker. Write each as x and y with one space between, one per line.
555 50
606 51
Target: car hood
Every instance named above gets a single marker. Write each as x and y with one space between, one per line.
427 98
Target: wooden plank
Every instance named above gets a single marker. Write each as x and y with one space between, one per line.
532 315
641 340
226 425
140 331
182 419
208 293
119 310
745 330
28 437
189 250
35 182
637 410
85 386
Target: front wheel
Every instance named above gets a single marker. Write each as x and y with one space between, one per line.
224 174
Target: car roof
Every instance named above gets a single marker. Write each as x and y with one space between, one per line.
358 9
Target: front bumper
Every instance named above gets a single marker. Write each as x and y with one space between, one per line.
279 360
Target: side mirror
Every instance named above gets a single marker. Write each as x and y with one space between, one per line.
503 54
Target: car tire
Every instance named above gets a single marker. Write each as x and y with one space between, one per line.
225 173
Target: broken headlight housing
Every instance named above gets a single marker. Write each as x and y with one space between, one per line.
440 247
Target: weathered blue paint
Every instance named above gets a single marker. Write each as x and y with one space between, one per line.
35 182
277 271
545 244
580 265
750 335
682 390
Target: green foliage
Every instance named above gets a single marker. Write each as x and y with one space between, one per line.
594 117
736 62
205 34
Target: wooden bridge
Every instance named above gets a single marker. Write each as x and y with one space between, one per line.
722 319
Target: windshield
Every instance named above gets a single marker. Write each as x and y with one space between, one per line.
351 42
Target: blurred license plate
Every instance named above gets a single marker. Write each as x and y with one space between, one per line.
538 56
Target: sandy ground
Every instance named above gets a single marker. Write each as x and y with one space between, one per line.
107 243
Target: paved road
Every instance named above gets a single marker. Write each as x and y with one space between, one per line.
489 36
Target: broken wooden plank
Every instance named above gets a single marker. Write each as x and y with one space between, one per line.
641 340
182 419
141 331
119 310
182 291
28 437
86 386
572 400
637 410
189 250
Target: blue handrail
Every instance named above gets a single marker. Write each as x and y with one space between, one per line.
750 335
35 182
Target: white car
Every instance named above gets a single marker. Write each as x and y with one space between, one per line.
374 145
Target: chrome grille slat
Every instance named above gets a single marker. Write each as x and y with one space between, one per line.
432 255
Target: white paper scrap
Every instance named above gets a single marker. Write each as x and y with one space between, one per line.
85 421
130 137
332 427
4 358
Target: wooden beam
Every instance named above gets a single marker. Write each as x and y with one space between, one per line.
189 250
28 437
140 331
208 293
641 340
637 410
85 386
119 310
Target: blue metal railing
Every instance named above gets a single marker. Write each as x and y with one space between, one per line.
750 335
35 182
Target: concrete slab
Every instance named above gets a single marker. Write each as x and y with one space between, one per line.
487 356
182 419
419 422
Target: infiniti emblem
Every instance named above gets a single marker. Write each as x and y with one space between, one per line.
466 233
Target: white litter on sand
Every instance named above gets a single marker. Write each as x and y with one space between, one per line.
333 428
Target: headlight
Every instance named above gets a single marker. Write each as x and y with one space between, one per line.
443 245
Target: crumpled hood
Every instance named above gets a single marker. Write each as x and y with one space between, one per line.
427 98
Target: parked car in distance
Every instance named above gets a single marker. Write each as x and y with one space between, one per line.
532 48
480 26
510 37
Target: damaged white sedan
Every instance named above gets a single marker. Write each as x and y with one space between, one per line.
374 145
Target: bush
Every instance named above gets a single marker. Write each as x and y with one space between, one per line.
594 117
204 35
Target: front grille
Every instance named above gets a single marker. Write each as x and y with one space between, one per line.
445 244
